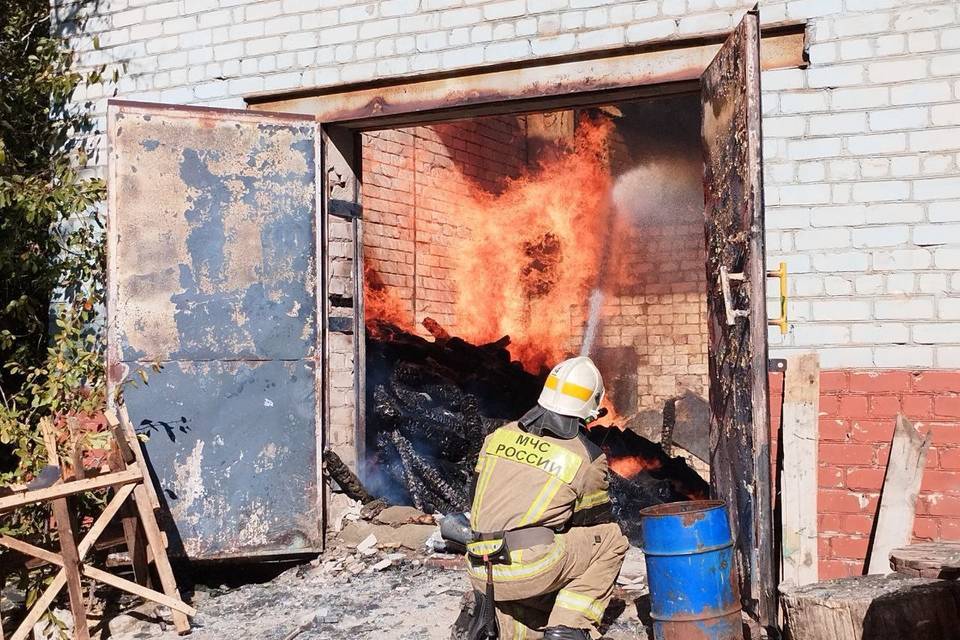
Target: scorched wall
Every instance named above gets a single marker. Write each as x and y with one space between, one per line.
861 170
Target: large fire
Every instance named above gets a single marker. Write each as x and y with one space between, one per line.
531 254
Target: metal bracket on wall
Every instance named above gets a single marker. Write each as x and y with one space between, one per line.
340 324
724 280
777 365
344 209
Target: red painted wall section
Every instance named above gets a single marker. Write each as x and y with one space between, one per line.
857 413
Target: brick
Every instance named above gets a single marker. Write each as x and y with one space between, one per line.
833 569
833 381
945 114
944 211
947 258
923 18
865 479
874 22
891 212
835 76
842 501
875 431
945 481
845 261
937 333
879 382
818 148
881 191
831 429
857 524
830 477
926 529
935 139
880 333
837 123
877 143
937 381
886 236
891 119
918 407
950 529
939 504
947 406
901 260
849 547
803 102
859 98
831 238
903 356
950 458
840 310
920 92
897 70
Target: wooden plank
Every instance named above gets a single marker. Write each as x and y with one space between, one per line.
122 418
898 500
100 575
46 599
68 543
70 488
71 566
798 485
136 546
160 560
40 606
177 606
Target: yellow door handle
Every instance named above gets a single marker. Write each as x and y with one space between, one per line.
781 321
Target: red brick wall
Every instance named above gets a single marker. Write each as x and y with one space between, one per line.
857 412
410 214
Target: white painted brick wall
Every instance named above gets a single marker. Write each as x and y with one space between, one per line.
862 183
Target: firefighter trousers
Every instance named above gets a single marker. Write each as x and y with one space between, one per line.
571 590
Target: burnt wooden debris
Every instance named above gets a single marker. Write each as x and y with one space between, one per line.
347 480
431 403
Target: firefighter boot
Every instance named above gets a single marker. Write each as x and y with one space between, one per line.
565 633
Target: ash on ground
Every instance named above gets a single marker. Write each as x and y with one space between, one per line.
383 578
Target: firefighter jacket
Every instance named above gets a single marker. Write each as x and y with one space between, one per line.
525 480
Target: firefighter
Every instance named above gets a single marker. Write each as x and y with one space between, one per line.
545 546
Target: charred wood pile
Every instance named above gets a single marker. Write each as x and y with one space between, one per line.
430 403
429 406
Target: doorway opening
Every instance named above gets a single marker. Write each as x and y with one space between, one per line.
493 248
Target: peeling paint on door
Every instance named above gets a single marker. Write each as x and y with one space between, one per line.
212 274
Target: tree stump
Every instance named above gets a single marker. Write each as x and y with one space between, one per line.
891 607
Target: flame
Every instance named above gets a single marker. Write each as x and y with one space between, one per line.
534 251
629 466
527 257
380 303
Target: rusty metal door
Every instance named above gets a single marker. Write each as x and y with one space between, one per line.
736 309
212 275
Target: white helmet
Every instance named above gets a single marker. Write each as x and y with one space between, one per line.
574 388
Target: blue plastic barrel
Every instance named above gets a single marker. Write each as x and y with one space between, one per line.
691 571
